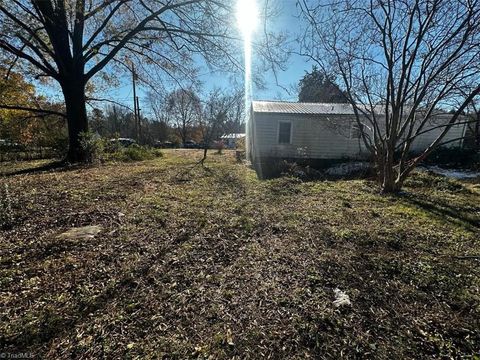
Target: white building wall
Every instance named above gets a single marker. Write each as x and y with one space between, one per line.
453 138
320 137
324 136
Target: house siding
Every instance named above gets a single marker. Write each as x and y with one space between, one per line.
319 137
453 138
325 137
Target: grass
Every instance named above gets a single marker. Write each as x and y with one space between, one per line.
211 262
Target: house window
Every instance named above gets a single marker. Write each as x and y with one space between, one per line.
356 131
284 132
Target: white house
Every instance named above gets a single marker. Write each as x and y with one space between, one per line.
317 132
230 140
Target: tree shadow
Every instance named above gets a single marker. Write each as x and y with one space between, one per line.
447 211
59 165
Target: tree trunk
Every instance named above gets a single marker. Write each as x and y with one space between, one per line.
392 186
205 149
477 132
75 103
388 184
389 179
184 133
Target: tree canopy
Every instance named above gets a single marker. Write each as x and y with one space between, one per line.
318 87
71 41
26 116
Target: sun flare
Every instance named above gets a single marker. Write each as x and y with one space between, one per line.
247 19
247 16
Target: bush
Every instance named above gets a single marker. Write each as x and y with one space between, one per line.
453 157
92 145
98 149
136 153
113 146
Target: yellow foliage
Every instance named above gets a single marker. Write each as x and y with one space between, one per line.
21 125
14 90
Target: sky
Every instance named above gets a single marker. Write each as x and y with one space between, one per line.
297 65
295 68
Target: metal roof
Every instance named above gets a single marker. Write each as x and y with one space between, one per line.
285 107
233 136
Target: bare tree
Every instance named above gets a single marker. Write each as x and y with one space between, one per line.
159 126
235 122
399 62
158 106
71 41
184 111
214 118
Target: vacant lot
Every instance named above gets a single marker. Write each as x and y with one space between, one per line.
196 262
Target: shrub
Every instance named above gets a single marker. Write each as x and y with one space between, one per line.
92 145
452 157
136 153
113 146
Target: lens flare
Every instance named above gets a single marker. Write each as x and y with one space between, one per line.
247 19
247 16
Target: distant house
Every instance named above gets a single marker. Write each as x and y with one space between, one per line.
230 140
318 133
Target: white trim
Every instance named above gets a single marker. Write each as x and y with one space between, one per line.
278 131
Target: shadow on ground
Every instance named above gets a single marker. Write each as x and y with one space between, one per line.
59 165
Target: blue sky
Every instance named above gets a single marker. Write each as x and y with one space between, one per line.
286 21
296 67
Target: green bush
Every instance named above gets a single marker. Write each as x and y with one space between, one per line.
92 145
113 146
136 153
98 149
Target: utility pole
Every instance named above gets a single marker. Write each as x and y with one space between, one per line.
135 118
139 121
116 128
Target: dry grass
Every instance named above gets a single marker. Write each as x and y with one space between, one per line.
213 263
